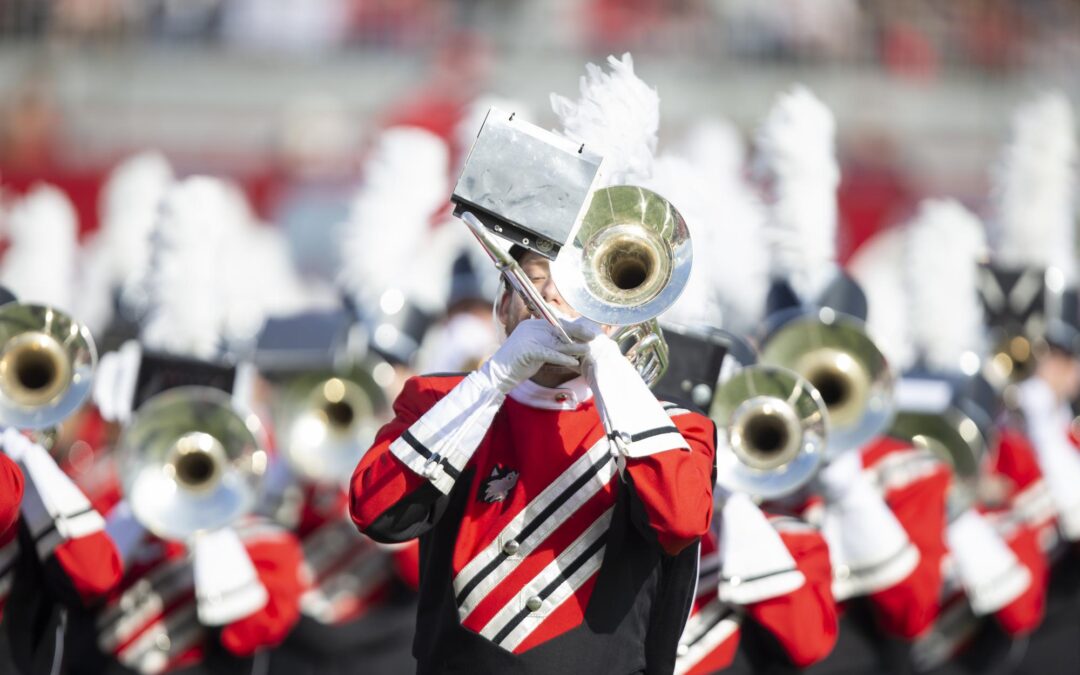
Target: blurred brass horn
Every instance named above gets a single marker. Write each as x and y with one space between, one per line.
629 259
772 431
843 364
47 363
190 462
328 421
1012 360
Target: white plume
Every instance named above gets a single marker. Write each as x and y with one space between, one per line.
118 255
388 231
878 267
187 311
945 244
796 143
617 115
704 180
1033 188
39 266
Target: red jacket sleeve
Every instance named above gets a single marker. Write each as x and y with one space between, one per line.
803 621
90 567
11 492
675 486
911 606
278 561
387 501
1023 615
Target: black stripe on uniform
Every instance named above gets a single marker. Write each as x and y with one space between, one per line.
532 525
550 588
659 431
747 580
427 454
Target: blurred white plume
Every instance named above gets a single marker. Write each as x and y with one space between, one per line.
618 116
878 267
1033 188
946 242
186 301
116 258
405 183
704 179
39 266
796 146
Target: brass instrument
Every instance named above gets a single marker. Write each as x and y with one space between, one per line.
191 462
1012 360
328 421
47 363
627 263
772 429
843 364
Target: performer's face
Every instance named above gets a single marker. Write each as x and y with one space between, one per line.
1061 371
512 309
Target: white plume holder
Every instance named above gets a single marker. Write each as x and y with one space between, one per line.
227 587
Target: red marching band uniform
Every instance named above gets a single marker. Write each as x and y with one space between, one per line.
541 549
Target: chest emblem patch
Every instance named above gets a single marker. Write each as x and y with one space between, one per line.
498 484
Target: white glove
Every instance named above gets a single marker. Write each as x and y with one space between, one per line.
15 444
756 563
114 382
637 421
870 550
990 572
227 588
532 344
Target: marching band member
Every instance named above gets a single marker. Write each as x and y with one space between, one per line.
545 545
883 500
240 590
1030 296
994 567
56 555
764 597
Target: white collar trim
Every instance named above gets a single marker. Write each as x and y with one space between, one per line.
567 396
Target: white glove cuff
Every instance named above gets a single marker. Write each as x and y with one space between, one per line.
990 572
756 564
869 548
227 587
639 424
440 443
54 508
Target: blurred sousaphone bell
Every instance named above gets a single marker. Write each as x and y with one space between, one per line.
955 425
772 430
834 353
328 420
47 363
190 462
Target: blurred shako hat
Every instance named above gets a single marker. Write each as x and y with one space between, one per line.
698 361
796 159
1029 288
466 286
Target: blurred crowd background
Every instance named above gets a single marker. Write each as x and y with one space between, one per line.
285 95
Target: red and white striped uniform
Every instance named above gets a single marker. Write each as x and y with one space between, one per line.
349 573
150 625
515 536
803 621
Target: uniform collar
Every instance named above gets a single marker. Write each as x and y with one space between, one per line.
567 396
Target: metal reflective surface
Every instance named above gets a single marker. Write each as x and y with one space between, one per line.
630 259
528 178
838 358
47 362
328 421
772 429
190 462
956 439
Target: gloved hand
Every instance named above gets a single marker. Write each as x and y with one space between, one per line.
598 346
842 475
14 443
533 344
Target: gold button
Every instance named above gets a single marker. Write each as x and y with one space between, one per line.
561 397
534 603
